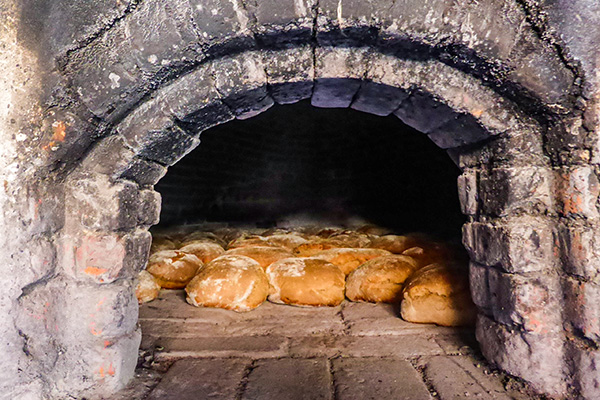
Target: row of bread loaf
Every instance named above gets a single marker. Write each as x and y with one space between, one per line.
331 265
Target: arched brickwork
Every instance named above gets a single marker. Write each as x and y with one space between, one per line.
144 87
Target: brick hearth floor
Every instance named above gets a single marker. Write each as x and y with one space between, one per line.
352 352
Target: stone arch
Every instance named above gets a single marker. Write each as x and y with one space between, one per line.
155 80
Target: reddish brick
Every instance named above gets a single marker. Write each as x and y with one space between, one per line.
577 190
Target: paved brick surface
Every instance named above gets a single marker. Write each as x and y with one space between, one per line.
356 351
458 377
376 378
289 378
216 379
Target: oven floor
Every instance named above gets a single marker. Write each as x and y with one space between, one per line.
354 351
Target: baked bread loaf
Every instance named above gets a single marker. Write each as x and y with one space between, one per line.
147 289
160 243
347 260
339 241
202 236
380 280
232 282
438 294
173 269
206 251
306 282
395 244
264 255
250 241
288 241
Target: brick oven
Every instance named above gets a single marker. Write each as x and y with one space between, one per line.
100 98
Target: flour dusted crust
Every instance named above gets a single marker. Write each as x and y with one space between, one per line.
232 282
202 236
306 282
288 241
173 269
380 280
147 289
438 294
338 241
347 260
264 255
160 243
250 241
395 244
205 250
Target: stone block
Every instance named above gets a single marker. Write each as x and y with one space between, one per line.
338 75
480 288
283 23
378 99
201 379
577 191
364 378
144 172
348 22
517 245
538 68
167 147
150 202
93 202
533 302
581 301
459 131
296 379
223 27
538 359
467 192
242 81
587 374
505 191
580 245
290 74
424 113
98 257
155 37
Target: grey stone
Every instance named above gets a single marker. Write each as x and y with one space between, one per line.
290 74
457 378
376 378
296 379
201 379
424 113
459 131
378 99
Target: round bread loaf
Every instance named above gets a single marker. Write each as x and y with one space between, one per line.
206 251
173 269
347 260
147 289
264 255
341 241
306 282
232 282
380 280
373 230
288 241
395 244
160 243
250 241
440 295
202 236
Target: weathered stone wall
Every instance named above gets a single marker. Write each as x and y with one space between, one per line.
105 98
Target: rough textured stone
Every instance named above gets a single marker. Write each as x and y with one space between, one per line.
201 379
582 299
505 191
467 192
577 191
580 245
283 23
307 379
517 245
338 72
454 377
290 74
358 378
97 257
424 113
535 358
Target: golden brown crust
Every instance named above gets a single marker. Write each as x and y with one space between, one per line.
202 236
231 282
306 282
338 241
288 241
264 255
347 259
147 289
380 280
160 243
438 294
395 244
173 269
206 251
250 241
